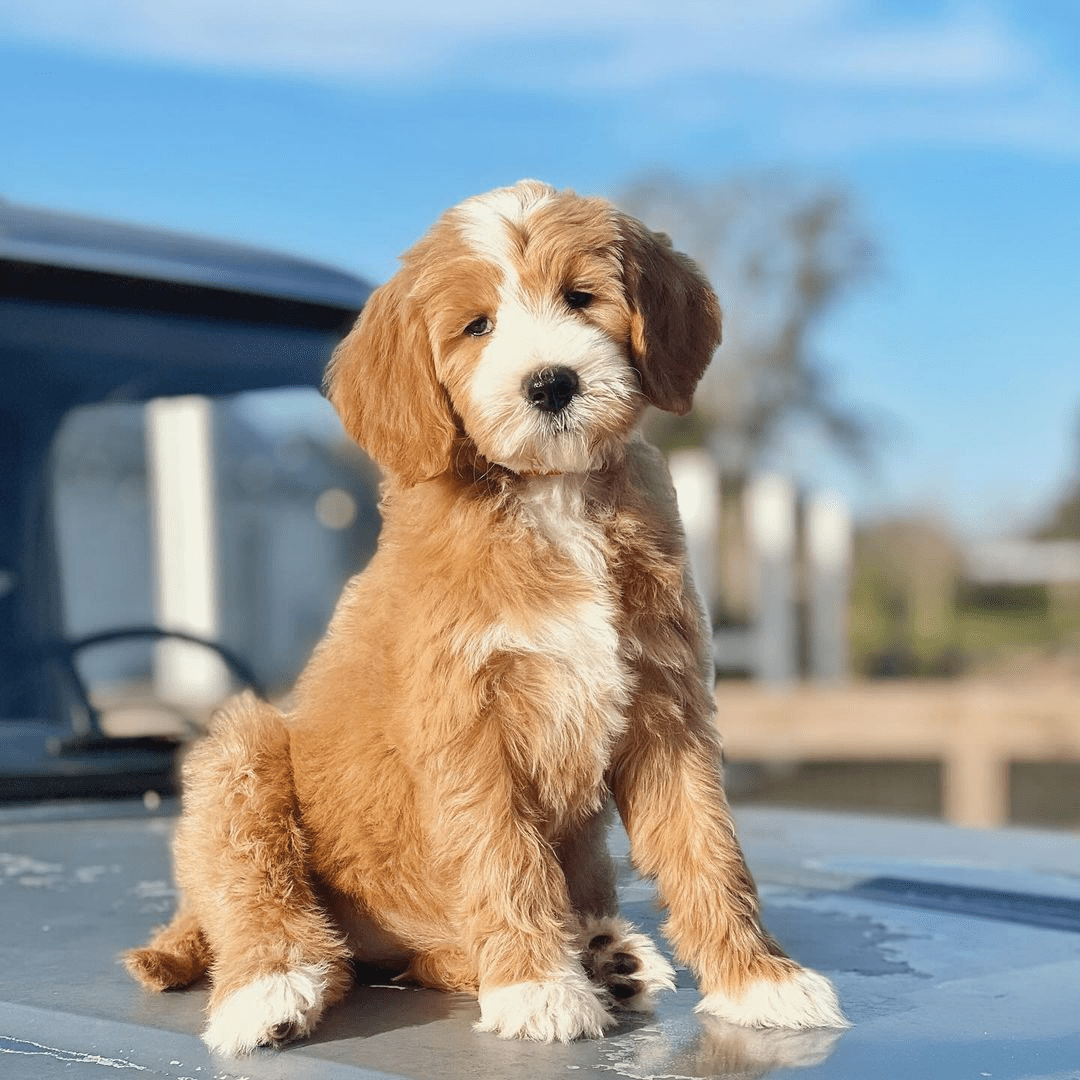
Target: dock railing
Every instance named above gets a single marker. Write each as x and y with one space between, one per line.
975 727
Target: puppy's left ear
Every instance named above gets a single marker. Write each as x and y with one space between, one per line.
674 317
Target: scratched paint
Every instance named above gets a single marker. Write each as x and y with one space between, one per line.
25 1048
13 865
153 890
31 873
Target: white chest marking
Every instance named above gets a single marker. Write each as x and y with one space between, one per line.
586 693
555 507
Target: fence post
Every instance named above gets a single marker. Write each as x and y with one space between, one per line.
697 488
180 465
770 507
828 551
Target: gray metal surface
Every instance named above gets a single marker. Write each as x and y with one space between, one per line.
956 953
51 238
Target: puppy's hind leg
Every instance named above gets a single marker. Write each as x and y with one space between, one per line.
587 864
278 960
175 956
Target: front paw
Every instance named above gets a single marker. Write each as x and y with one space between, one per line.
272 1010
799 999
557 1010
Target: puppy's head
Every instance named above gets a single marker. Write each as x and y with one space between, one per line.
533 323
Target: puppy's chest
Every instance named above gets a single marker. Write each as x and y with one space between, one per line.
566 654
556 640
583 625
581 593
617 556
570 616
557 658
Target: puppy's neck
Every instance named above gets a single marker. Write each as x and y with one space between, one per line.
554 493
471 469
557 507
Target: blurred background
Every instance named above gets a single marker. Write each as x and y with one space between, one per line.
881 478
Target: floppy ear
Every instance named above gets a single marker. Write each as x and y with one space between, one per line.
674 317
381 380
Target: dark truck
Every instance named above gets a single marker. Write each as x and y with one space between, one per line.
956 952
93 311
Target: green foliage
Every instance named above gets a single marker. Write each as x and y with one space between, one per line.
912 613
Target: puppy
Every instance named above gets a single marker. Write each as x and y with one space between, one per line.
525 649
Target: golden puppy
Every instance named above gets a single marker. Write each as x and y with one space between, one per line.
525 647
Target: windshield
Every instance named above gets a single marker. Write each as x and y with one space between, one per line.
233 519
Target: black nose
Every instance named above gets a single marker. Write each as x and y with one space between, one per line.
551 389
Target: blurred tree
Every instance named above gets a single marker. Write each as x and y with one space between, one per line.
1063 522
903 617
914 612
782 255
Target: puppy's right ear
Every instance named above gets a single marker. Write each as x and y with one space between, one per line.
381 380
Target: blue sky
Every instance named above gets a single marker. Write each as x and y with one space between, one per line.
327 129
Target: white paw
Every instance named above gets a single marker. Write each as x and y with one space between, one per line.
271 1010
557 1010
624 962
806 1000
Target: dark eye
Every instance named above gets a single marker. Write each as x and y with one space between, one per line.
479 327
576 298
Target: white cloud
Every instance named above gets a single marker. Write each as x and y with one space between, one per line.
620 40
966 50
875 67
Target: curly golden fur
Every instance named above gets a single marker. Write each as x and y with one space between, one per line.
525 649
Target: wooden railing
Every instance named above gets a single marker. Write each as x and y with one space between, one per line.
974 727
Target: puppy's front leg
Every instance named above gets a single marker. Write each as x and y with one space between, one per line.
672 802
517 914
